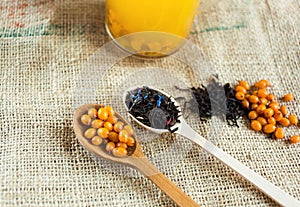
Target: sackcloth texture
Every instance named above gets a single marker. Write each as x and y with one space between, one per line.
45 46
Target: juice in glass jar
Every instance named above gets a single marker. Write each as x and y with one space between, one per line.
150 28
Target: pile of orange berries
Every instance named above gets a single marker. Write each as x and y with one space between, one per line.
265 112
104 129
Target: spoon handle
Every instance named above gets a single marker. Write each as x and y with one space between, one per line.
264 185
162 182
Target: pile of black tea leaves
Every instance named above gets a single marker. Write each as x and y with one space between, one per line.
218 100
152 108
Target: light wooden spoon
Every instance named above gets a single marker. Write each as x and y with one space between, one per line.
185 130
136 160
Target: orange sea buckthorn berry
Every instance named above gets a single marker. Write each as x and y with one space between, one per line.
112 119
260 84
269 128
279 133
110 146
293 119
254 93
268 112
284 122
121 144
262 93
92 112
113 136
288 97
240 89
103 132
274 105
295 139
253 115
247 95
96 140
119 152
244 84
123 136
261 108
268 84
255 125
86 119
108 126
253 107
271 120
253 99
262 120
277 115
245 103
271 97
97 123
284 110
130 141
129 129
239 95
102 114
110 110
263 101
90 133
118 126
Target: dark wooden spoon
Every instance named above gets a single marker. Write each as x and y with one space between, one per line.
136 160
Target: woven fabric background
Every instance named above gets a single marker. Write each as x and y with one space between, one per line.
44 48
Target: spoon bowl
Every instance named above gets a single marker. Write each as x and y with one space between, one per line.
182 128
136 159
155 130
79 131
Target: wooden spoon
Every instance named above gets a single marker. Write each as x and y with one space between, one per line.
136 160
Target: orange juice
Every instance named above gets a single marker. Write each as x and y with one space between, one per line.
154 27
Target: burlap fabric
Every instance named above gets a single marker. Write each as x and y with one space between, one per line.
44 47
